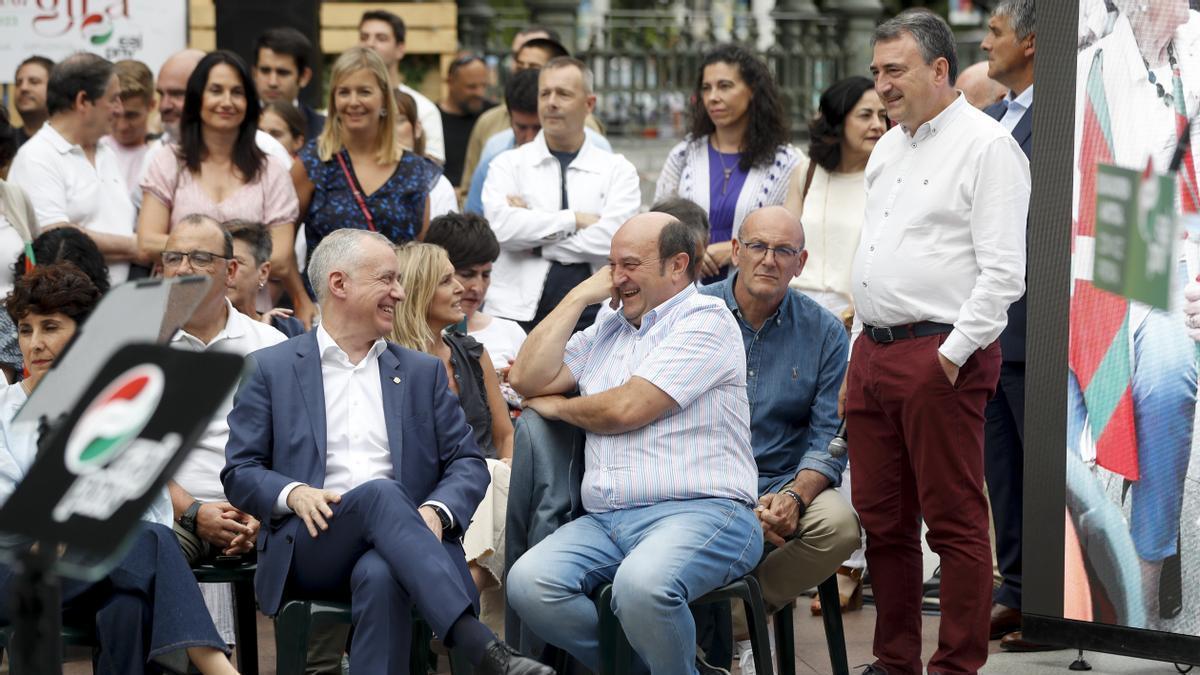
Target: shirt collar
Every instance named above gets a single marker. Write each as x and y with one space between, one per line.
57 140
731 300
588 159
232 330
332 354
1024 99
942 119
653 316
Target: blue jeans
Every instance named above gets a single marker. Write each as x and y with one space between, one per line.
658 558
1164 402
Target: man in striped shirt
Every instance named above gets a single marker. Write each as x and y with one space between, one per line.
669 479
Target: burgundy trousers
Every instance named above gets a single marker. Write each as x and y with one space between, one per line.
916 450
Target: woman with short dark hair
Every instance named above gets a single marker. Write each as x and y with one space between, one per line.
737 157
148 610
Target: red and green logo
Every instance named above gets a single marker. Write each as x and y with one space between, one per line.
114 419
97 28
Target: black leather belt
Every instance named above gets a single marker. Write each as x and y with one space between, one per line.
886 334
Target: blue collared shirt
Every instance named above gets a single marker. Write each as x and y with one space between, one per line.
794 368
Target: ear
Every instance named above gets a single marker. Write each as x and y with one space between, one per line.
305 77
1030 44
591 103
800 265
264 273
337 283
231 270
941 70
679 264
80 99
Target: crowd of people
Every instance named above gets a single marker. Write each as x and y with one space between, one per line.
407 277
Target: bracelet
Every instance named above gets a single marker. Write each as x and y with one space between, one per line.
799 505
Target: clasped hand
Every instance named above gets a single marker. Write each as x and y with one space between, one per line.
779 517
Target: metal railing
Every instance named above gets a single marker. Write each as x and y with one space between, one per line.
646 62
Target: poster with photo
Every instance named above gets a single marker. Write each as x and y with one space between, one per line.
1131 549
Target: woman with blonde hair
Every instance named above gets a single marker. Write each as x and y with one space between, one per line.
355 173
434 304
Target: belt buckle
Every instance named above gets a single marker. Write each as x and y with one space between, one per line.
878 330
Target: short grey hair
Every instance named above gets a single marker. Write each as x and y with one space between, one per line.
931 32
339 250
1020 16
557 62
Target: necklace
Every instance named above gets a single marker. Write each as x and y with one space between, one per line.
1168 99
727 171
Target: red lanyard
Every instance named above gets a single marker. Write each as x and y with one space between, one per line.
358 196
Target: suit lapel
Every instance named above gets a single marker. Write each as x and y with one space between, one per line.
312 389
391 380
1024 129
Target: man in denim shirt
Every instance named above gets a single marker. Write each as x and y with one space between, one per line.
796 355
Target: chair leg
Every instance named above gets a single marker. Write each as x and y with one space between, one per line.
835 636
613 643
756 619
785 639
245 627
291 637
418 650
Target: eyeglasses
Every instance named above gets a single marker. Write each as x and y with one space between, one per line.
201 260
783 254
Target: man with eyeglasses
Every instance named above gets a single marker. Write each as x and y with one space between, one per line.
206 524
795 360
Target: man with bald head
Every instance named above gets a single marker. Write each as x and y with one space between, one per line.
669 481
795 360
980 89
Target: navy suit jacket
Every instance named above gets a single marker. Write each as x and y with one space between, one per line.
277 435
314 120
1012 340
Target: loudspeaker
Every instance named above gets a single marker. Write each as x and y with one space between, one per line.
240 22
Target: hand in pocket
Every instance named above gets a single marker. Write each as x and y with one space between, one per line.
949 369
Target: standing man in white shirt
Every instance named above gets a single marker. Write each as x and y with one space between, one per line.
941 258
71 180
385 33
555 202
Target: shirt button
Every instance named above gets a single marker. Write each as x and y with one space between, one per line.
885 214
925 182
864 284
914 145
752 373
899 180
872 249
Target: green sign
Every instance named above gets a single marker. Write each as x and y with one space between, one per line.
1137 230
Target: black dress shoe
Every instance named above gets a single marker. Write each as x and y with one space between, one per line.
1004 621
874 669
500 659
1170 588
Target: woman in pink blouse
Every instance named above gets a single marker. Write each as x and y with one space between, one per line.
219 171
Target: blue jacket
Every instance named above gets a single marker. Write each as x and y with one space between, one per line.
1012 340
277 435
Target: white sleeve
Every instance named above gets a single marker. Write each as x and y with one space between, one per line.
519 229
431 122
442 199
622 201
43 184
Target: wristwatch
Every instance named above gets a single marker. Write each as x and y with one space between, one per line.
188 520
442 516
799 505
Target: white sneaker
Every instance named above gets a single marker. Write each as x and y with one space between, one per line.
745 657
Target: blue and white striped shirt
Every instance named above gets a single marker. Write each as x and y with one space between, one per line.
690 347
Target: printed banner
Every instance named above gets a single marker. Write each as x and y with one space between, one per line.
146 30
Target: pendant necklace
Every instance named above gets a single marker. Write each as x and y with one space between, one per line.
727 171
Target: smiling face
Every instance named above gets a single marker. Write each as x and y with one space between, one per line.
642 280
475 281
864 125
31 89
725 94
42 338
358 100
910 88
445 307
223 105
372 289
468 86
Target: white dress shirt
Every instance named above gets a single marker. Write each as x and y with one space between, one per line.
200 473
598 182
64 187
1016 107
943 237
431 123
356 448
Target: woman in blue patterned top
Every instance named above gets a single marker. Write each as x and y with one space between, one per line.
355 174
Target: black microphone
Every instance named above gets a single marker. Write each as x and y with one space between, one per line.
837 445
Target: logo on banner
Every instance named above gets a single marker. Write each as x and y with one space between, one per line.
112 463
114 419
97 29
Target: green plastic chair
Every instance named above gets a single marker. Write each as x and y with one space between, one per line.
245 612
297 617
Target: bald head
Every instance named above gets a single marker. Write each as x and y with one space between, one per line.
774 220
172 85
981 91
652 260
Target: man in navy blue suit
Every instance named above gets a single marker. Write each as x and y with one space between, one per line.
360 464
1009 44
